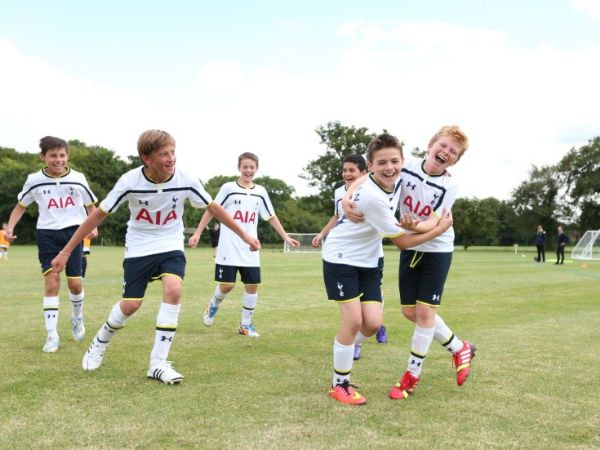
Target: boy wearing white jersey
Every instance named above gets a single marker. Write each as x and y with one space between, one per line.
246 202
155 194
427 189
353 167
351 254
64 200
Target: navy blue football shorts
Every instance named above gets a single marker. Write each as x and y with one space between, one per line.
227 274
345 283
50 242
422 277
139 271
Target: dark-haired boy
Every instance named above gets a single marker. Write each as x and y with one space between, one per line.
64 201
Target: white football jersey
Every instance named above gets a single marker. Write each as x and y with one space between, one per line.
338 195
245 206
156 209
423 195
61 200
359 244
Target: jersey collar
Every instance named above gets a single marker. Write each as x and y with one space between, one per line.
244 187
150 180
372 178
430 175
54 176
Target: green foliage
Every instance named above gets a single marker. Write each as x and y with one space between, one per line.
340 141
476 221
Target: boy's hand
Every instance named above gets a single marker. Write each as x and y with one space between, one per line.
252 242
446 220
409 222
193 240
293 242
93 234
8 234
352 214
59 262
350 211
316 242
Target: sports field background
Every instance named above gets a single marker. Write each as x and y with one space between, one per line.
534 384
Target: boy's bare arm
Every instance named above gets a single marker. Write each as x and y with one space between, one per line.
326 229
349 206
409 240
94 233
13 220
223 216
93 220
276 224
204 220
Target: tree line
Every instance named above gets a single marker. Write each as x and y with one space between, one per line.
567 193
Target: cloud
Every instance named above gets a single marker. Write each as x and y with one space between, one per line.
519 106
589 7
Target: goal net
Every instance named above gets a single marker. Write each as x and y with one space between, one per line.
305 240
588 246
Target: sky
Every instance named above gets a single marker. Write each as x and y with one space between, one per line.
520 77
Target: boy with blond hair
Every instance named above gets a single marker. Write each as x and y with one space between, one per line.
155 194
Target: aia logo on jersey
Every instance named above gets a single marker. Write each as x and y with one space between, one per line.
417 208
61 202
245 217
157 218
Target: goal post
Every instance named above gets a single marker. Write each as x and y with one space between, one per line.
588 247
305 240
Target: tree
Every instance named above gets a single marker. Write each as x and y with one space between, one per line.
536 201
579 175
325 171
475 221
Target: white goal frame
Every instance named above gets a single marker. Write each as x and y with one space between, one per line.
588 247
305 241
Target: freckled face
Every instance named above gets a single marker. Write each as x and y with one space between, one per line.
160 164
442 154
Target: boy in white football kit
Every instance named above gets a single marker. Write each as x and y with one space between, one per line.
427 189
155 194
353 167
245 201
64 201
351 255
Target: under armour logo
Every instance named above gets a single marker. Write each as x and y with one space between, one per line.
340 287
435 298
415 363
411 185
143 202
166 338
51 316
47 191
237 202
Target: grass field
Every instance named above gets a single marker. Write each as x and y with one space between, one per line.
534 384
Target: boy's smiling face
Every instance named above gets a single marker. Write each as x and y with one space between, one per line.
56 160
160 165
386 166
350 172
442 154
247 168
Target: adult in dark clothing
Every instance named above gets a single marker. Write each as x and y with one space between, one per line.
540 238
561 242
